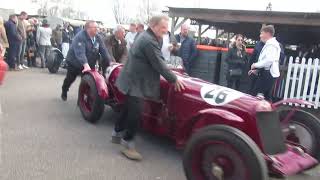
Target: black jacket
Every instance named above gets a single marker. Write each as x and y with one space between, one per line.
140 76
66 36
31 40
12 32
234 61
82 51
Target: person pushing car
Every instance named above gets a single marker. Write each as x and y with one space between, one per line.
85 51
139 80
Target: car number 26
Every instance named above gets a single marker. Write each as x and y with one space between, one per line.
218 96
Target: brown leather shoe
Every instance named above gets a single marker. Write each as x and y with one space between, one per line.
132 154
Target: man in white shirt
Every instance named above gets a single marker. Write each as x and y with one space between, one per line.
130 36
268 63
44 34
166 47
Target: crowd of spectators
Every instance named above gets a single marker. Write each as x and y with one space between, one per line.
23 39
18 41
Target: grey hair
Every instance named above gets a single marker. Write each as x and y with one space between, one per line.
118 28
185 26
88 23
268 29
155 20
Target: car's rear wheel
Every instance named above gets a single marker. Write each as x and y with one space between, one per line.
53 62
90 103
222 152
302 128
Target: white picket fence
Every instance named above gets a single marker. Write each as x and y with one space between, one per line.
303 81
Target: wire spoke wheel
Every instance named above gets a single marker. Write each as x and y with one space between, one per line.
220 152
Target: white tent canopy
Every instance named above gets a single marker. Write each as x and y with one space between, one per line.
54 21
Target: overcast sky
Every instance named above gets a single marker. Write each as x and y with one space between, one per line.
101 9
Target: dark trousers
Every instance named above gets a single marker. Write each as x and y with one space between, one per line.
13 54
22 50
253 80
264 84
234 81
129 117
44 54
187 67
71 76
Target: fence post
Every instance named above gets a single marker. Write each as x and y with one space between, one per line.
306 82
313 82
318 88
288 78
301 77
294 78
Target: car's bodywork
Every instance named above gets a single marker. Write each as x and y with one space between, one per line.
180 114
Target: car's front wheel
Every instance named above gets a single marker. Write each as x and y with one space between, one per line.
302 128
90 103
222 152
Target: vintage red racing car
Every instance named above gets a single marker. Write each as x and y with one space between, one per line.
226 134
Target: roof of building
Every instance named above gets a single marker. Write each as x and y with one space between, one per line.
291 27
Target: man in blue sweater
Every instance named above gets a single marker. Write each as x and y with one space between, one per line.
14 39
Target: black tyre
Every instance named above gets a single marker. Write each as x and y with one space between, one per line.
90 103
223 152
53 62
302 128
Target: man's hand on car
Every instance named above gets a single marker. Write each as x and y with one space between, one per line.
86 68
179 86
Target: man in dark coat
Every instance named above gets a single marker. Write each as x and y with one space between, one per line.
254 58
117 45
83 54
14 39
188 50
140 79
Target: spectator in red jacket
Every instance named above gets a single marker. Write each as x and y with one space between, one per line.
3 65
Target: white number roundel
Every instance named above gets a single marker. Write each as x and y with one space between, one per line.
219 96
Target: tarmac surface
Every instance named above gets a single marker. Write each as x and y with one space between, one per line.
44 138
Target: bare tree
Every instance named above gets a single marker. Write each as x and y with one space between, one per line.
147 8
43 10
53 11
63 8
119 11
